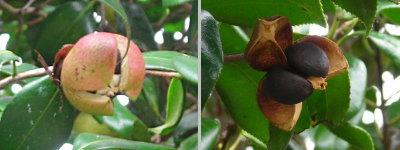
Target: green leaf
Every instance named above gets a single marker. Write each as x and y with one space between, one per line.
333 103
92 141
389 45
355 135
3 104
210 131
161 60
394 113
66 25
389 10
233 38
187 124
117 7
237 87
324 139
211 55
370 96
358 81
337 98
142 31
175 101
150 92
279 138
363 9
193 28
33 120
246 13
126 124
189 143
168 3
304 121
7 70
6 56
187 66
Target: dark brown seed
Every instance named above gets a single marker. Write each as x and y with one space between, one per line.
286 87
308 59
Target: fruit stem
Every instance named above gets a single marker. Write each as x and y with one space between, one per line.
335 25
42 71
234 57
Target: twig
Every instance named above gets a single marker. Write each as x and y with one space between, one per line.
163 73
385 127
234 57
28 74
41 72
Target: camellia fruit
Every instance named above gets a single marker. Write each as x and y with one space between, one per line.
95 70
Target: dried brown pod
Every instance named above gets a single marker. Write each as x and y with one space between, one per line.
266 52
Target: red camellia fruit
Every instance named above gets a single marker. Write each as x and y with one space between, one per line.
95 70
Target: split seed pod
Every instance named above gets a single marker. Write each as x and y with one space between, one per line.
94 71
266 52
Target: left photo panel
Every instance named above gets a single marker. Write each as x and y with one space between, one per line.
98 74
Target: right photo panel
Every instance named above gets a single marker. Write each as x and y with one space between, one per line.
300 75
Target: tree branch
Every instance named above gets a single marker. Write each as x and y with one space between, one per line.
234 57
41 72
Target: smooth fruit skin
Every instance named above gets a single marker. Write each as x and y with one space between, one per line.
88 78
308 59
285 87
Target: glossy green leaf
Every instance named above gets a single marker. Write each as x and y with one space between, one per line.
304 121
189 143
8 69
142 31
363 9
246 13
358 81
187 66
324 139
333 103
211 55
65 25
87 141
239 97
160 60
117 7
150 92
394 113
389 10
279 139
33 120
3 104
167 3
188 124
125 123
354 135
193 29
233 39
210 131
6 56
337 98
389 45
174 110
